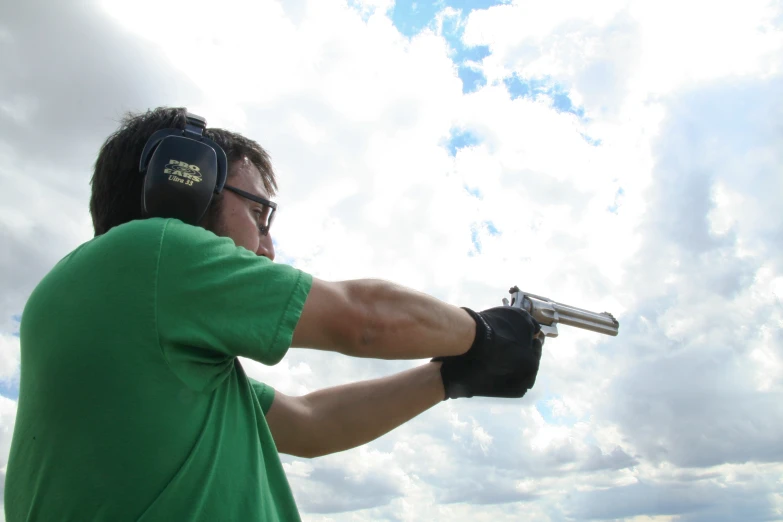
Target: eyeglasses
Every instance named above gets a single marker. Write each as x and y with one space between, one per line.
270 204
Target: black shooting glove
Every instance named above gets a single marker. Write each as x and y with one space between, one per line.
503 360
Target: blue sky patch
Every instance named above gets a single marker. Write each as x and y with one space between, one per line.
460 139
534 87
592 141
365 14
475 232
546 412
525 87
9 388
614 206
473 191
475 54
472 80
18 320
562 103
410 18
474 237
491 228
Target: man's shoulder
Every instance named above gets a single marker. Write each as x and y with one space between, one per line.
135 230
122 258
122 245
141 232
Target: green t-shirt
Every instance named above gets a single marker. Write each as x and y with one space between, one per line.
132 403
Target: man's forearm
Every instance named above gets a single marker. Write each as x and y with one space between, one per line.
347 416
406 324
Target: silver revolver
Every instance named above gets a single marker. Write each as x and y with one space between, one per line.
549 313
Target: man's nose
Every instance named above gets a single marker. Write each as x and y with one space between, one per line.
266 248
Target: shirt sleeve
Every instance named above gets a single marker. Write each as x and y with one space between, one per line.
216 300
264 392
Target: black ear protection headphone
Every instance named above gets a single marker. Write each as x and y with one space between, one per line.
182 170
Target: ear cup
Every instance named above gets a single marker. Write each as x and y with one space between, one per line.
152 143
181 177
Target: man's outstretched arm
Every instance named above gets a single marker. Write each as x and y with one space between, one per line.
344 417
381 320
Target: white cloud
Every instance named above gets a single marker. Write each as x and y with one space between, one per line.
480 437
630 48
9 357
286 376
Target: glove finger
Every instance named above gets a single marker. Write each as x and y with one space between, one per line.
537 348
512 323
528 319
512 387
513 333
531 369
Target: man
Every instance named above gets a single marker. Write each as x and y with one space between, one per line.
133 404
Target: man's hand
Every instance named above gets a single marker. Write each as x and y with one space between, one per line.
503 360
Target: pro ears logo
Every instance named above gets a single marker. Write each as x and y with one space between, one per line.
181 172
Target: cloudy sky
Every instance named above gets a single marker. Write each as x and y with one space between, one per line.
617 155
